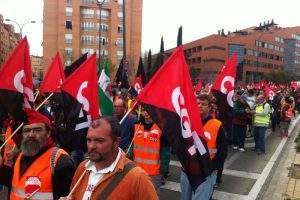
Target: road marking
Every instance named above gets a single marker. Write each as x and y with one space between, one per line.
174 186
232 159
265 173
241 174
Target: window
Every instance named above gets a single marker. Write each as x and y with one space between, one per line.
68 50
87 13
103 52
120 2
103 27
104 14
120 42
199 48
277 39
214 47
68 2
68 38
271 46
276 48
87 26
68 62
88 1
69 11
69 24
199 59
87 50
87 39
103 40
120 29
120 54
120 14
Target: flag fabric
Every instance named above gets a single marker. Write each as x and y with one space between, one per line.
223 87
198 86
16 87
82 85
269 92
70 69
54 77
121 78
140 78
174 109
105 98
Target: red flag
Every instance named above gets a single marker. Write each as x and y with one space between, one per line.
198 86
224 82
269 92
170 100
16 74
82 85
54 77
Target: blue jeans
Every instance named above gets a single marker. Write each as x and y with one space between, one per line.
259 133
203 192
239 135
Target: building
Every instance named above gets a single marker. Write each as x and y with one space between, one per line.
37 67
261 49
8 40
71 28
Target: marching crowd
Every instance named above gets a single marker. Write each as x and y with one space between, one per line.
131 160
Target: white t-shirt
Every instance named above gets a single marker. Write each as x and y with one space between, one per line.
96 176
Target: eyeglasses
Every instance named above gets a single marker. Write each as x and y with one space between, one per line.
34 130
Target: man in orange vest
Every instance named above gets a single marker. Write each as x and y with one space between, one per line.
41 171
215 135
146 148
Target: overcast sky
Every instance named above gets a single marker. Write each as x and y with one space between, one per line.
199 18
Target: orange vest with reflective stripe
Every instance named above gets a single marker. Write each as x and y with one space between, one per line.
211 129
41 169
146 149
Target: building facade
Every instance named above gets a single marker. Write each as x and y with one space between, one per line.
8 40
262 49
37 67
71 27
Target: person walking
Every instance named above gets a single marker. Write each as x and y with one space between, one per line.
41 170
261 122
108 173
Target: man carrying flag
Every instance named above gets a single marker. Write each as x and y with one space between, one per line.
175 111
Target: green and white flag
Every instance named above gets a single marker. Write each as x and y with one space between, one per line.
106 104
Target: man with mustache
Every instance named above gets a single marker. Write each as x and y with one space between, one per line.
42 170
108 174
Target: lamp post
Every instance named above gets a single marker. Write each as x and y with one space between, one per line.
20 26
99 3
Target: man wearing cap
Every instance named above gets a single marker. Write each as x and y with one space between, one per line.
41 171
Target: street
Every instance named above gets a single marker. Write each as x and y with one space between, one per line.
244 175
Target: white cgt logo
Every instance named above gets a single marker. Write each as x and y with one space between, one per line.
186 131
81 99
20 88
230 93
137 87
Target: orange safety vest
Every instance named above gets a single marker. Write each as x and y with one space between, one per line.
146 149
211 129
9 147
37 179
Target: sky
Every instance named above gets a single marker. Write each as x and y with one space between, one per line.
199 18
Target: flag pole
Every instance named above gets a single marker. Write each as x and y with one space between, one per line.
36 95
135 133
77 183
21 125
127 113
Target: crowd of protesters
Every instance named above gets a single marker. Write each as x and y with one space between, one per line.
139 139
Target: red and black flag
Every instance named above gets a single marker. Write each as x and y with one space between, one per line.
16 87
121 78
54 76
149 66
140 79
198 86
70 69
82 85
174 109
223 88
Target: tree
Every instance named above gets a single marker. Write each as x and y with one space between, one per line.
280 77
